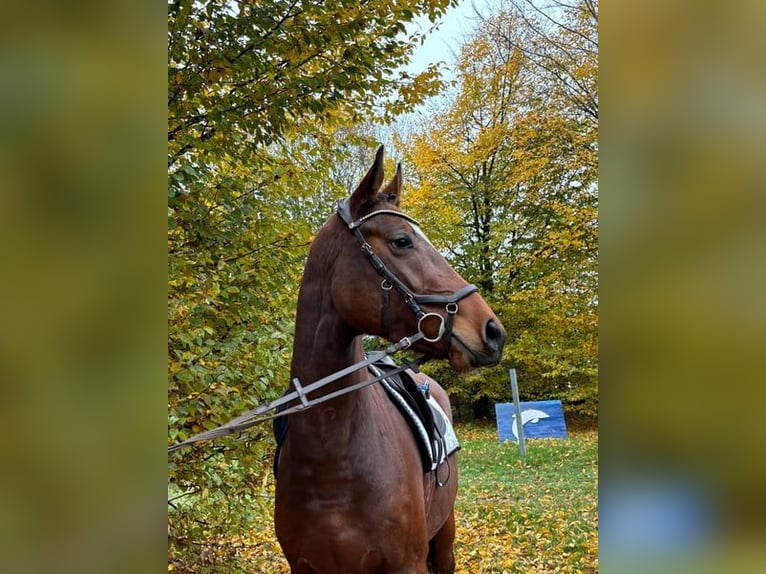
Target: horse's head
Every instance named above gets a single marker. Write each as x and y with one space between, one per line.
388 280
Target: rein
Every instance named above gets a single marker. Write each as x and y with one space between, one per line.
258 414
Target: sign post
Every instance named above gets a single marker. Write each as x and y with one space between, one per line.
517 408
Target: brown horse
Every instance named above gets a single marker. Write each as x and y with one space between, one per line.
351 494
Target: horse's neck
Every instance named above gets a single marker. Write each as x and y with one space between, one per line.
324 345
323 354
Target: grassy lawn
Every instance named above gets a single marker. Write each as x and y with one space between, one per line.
533 514
514 515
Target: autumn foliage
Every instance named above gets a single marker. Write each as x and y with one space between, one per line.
274 109
506 177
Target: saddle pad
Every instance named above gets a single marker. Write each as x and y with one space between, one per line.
447 430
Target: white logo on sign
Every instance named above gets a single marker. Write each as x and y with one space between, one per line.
527 416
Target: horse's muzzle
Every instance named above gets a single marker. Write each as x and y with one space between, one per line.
464 356
494 337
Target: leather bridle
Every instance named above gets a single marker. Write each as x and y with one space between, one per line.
391 281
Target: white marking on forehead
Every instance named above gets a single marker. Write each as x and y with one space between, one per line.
420 233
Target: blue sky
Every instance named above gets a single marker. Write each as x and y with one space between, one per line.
444 43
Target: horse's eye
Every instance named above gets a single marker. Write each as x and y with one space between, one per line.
402 242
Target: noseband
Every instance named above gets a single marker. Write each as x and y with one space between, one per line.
391 281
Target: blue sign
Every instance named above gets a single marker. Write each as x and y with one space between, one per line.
539 419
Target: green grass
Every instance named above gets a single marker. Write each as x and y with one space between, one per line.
532 514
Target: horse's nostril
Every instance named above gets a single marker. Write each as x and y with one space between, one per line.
495 335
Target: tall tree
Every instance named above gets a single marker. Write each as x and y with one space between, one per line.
510 167
240 73
561 44
257 94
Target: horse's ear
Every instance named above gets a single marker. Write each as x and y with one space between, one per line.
367 191
393 190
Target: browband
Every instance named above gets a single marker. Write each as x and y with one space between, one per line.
344 211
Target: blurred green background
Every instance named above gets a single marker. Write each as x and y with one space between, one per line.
682 274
